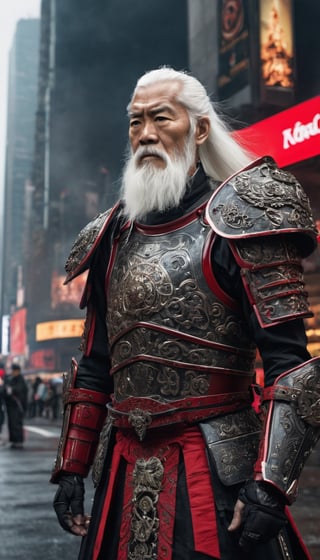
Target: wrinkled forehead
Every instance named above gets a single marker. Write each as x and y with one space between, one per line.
159 93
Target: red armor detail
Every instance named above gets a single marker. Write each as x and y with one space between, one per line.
86 243
141 414
85 424
84 414
251 209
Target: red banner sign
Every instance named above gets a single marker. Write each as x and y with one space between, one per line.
289 136
18 335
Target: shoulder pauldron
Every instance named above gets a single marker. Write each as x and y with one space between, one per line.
262 200
265 214
87 241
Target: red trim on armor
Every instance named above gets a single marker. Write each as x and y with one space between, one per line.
86 396
263 448
154 414
181 335
86 258
174 363
207 269
166 446
167 227
107 502
82 438
201 497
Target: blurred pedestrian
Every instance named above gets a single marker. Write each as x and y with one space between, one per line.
16 394
2 407
40 397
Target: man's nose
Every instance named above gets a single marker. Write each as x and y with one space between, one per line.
148 134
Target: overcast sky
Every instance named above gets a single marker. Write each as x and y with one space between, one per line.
10 13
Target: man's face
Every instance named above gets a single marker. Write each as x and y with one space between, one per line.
158 121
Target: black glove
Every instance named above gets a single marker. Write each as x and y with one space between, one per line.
68 504
263 516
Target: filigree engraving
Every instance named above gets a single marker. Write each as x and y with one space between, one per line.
163 320
140 420
274 191
233 442
147 480
308 401
85 241
101 453
260 199
278 290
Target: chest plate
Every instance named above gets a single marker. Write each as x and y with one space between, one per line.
170 335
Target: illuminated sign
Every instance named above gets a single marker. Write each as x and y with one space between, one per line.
289 136
276 43
70 328
66 294
18 335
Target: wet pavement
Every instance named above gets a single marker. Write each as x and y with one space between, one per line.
28 526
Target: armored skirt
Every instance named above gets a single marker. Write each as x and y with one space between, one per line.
163 500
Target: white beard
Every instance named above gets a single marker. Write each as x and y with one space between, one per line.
148 188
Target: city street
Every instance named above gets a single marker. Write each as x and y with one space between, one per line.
29 529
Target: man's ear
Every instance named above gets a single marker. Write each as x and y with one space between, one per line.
202 130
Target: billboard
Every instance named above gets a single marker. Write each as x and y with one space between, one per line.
233 57
51 330
276 51
18 335
289 136
66 295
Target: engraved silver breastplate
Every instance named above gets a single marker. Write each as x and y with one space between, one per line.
170 336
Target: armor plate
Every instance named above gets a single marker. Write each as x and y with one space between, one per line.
171 337
292 426
249 209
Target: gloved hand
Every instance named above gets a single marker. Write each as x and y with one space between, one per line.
260 512
68 504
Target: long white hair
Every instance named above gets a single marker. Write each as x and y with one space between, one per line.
220 154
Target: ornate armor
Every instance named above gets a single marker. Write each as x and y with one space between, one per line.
251 209
84 413
180 351
291 426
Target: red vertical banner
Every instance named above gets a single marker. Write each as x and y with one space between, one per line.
18 333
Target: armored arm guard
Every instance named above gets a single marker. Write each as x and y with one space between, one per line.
291 427
83 417
266 216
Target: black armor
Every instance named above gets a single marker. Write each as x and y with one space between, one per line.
292 426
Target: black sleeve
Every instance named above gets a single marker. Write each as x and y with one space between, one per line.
93 369
281 347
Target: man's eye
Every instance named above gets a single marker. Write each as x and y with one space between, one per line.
161 118
134 122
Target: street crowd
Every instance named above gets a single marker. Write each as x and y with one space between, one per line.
22 397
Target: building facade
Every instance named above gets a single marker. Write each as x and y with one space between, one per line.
255 57
91 55
22 103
